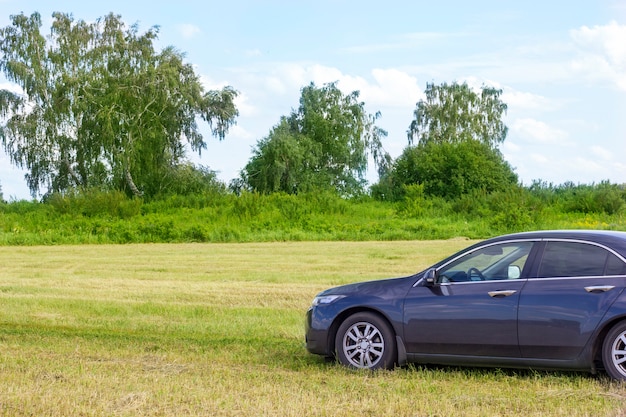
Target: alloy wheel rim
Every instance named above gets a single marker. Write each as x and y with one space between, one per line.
618 353
363 345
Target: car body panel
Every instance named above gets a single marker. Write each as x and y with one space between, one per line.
557 317
532 318
450 318
385 297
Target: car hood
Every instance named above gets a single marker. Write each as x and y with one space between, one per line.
380 288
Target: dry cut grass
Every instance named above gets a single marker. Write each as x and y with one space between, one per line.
217 330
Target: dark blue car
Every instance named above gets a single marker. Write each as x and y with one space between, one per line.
546 300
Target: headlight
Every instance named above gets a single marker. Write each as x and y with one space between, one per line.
326 299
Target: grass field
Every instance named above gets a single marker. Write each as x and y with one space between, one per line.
217 330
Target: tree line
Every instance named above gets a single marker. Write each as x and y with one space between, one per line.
100 108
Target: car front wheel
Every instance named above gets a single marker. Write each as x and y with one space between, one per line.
365 340
614 352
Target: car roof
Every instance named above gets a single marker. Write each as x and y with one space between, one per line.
613 239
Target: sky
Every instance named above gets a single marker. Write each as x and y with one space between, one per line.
561 66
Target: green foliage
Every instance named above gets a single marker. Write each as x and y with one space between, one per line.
95 203
188 180
604 198
450 170
100 107
457 132
507 211
414 203
278 163
513 210
600 198
455 113
95 216
323 145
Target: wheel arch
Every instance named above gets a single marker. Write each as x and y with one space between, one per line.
332 333
599 340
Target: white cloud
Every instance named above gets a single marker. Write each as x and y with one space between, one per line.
528 101
608 40
476 84
557 168
387 87
12 87
210 84
510 147
253 53
189 31
538 132
602 153
285 78
620 169
591 167
238 132
275 85
12 184
321 74
392 88
406 41
538 158
243 105
602 52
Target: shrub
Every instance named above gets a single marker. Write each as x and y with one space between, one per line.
450 170
94 202
414 202
581 198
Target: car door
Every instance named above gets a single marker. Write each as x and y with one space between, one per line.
472 309
559 309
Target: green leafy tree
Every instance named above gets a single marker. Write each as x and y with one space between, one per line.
100 107
455 113
453 145
450 170
324 144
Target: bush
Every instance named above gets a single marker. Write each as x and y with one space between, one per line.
189 180
97 217
448 170
604 198
94 203
414 202
505 211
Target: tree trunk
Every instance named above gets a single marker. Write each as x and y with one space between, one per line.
131 185
72 173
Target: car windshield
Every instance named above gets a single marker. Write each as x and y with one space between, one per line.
494 262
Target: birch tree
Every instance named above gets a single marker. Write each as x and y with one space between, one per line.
99 106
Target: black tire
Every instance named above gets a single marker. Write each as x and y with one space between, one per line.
366 341
614 352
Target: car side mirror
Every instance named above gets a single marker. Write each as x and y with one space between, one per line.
514 272
430 277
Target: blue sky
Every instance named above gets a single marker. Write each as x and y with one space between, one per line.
561 66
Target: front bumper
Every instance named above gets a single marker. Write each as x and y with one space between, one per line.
316 339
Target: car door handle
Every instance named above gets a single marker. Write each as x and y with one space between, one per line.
501 293
599 288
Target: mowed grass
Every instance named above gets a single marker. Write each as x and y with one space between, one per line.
217 330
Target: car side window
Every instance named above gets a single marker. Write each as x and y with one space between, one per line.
615 266
494 262
574 259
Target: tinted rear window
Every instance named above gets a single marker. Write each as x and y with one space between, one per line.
615 266
572 259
